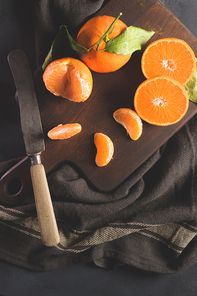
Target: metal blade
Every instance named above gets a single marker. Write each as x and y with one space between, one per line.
29 111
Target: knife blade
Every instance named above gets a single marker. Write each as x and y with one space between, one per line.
34 143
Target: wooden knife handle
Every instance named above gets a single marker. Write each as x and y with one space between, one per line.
44 206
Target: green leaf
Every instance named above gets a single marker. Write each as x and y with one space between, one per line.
130 40
191 87
64 46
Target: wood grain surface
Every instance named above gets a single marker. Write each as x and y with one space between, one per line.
110 92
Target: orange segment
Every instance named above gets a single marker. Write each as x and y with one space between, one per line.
169 57
130 120
68 78
65 131
161 101
105 149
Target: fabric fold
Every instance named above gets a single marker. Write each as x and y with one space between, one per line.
143 223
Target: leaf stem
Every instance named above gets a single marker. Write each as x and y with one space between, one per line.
105 36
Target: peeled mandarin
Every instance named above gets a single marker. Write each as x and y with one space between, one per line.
69 78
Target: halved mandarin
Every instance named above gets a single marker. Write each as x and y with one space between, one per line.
170 57
161 101
69 78
105 149
130 120
66 131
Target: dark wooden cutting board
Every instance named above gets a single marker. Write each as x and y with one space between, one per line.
110 92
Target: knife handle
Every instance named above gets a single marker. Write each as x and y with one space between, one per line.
45 212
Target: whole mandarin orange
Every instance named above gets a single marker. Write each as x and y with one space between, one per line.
90 33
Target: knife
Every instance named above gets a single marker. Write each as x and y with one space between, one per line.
34 143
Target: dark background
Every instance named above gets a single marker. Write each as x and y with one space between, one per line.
84 279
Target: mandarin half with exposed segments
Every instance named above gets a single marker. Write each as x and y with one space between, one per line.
65 131
169 57
130 120
105 149
69 78
90 33
161 101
